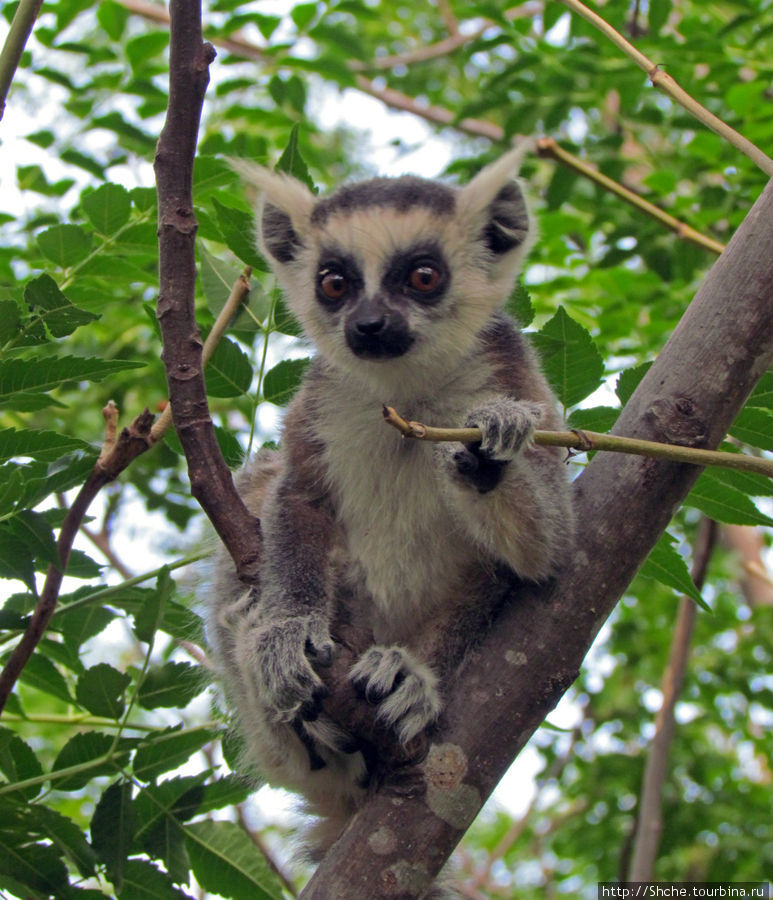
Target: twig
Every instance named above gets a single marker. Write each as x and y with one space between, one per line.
664 82
439 115
130 443
649 821
257 839
548 148
15 42
588 441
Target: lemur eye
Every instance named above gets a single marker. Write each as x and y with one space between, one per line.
332 284
424 278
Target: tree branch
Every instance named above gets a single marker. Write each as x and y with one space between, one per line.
649 819
116 455
15 42
590 441
211 481
404 834
664 82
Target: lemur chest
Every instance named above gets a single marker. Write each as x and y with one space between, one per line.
389 493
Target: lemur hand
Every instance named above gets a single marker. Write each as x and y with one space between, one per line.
506 427
281 655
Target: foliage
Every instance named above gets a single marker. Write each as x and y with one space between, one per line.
93 799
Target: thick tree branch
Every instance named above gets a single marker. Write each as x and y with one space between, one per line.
211 482
649 819
691 394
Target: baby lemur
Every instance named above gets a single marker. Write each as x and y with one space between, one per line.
400 285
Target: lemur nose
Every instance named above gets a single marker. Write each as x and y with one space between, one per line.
370 324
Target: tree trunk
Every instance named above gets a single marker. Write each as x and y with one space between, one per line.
691 395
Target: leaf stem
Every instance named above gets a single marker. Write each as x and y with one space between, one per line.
589 441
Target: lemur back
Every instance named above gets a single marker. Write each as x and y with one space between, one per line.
400 285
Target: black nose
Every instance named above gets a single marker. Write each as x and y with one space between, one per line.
370 324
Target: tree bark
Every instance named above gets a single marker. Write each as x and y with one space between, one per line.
211 481
691 394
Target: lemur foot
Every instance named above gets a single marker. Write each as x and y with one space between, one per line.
279 656
404 689
506 426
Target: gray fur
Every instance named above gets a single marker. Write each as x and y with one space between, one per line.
411 543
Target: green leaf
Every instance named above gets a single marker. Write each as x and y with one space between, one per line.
42 674
281 382
224 861
724 503
65 245
292 162
238 230
179 798
33 532
570 360
143 881
232 450
112 828
173 684
519 306
754 426
100 690
80 624
84 752
150 616
16 562
107 207
19 763
10 320
44 446
228 373
166 750
597 418
50 305
666 565
628 381
36 866
66 836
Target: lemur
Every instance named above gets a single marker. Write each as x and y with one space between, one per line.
400 284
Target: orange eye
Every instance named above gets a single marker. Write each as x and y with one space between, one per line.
332 284
424 278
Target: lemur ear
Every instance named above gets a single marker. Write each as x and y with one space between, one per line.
283 210
494 205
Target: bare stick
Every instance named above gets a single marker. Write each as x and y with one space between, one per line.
586 441
127 446
549 148
668 86
649 819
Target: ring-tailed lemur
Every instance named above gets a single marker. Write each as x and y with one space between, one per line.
400 284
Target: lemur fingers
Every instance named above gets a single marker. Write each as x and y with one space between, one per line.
404 689
279 657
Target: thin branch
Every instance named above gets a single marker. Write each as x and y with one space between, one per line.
443 117
15 42
257 839
130 443
665 83
548 148
649 821
589 441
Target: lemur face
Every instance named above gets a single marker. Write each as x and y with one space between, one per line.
395 276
